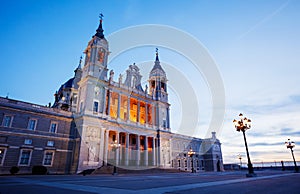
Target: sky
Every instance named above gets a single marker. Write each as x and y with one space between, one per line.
254 44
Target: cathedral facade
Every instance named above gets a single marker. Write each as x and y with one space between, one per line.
117 121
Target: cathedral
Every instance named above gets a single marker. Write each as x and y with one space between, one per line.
99 119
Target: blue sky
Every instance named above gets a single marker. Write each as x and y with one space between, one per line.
254 43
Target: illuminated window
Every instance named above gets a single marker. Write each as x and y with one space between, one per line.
142 112
113 104
48 158
25 157
133 110
149 114
7 120
123 108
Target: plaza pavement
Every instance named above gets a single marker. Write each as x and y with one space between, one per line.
206 182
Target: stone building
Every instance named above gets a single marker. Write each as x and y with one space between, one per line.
34 135
116 121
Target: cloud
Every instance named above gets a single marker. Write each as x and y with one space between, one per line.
274 120
295 98
266 144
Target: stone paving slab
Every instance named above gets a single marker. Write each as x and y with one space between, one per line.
218 182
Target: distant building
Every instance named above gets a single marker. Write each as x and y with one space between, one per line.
91 111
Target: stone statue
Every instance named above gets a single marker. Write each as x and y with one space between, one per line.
120 78
92 153
146 89
111 75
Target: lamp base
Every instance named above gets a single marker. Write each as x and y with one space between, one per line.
251 175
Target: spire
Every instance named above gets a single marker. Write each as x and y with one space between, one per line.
78 70
80 61
99 31
157 69
156 55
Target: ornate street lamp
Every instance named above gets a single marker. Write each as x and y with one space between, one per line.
290 145
242 125
191 153
115 147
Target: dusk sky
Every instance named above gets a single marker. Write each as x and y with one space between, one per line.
255 45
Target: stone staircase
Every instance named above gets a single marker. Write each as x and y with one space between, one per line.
137 170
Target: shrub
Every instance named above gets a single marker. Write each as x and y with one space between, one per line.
14 170
39 170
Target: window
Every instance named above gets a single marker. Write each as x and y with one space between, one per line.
133 141
32 124
7 120
96 105
48 158
81 107
53 127
25 157
75 99
2 155
28 141
179 163
50 143
3 139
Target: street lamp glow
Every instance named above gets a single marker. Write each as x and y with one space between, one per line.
240 158
191 153
115 145
244 124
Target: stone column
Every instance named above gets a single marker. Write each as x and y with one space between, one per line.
138 153
168 118
102 144
119 106
153 151
128 108
146 114
153 116
104 101
127 149
146 151
106 146
108 102
118 149
138 112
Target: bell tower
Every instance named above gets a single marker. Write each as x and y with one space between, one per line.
158 81
158 91
94 74
96 55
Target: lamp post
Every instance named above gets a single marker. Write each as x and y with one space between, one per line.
242 125
115 147
290 145
191 153
240 158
